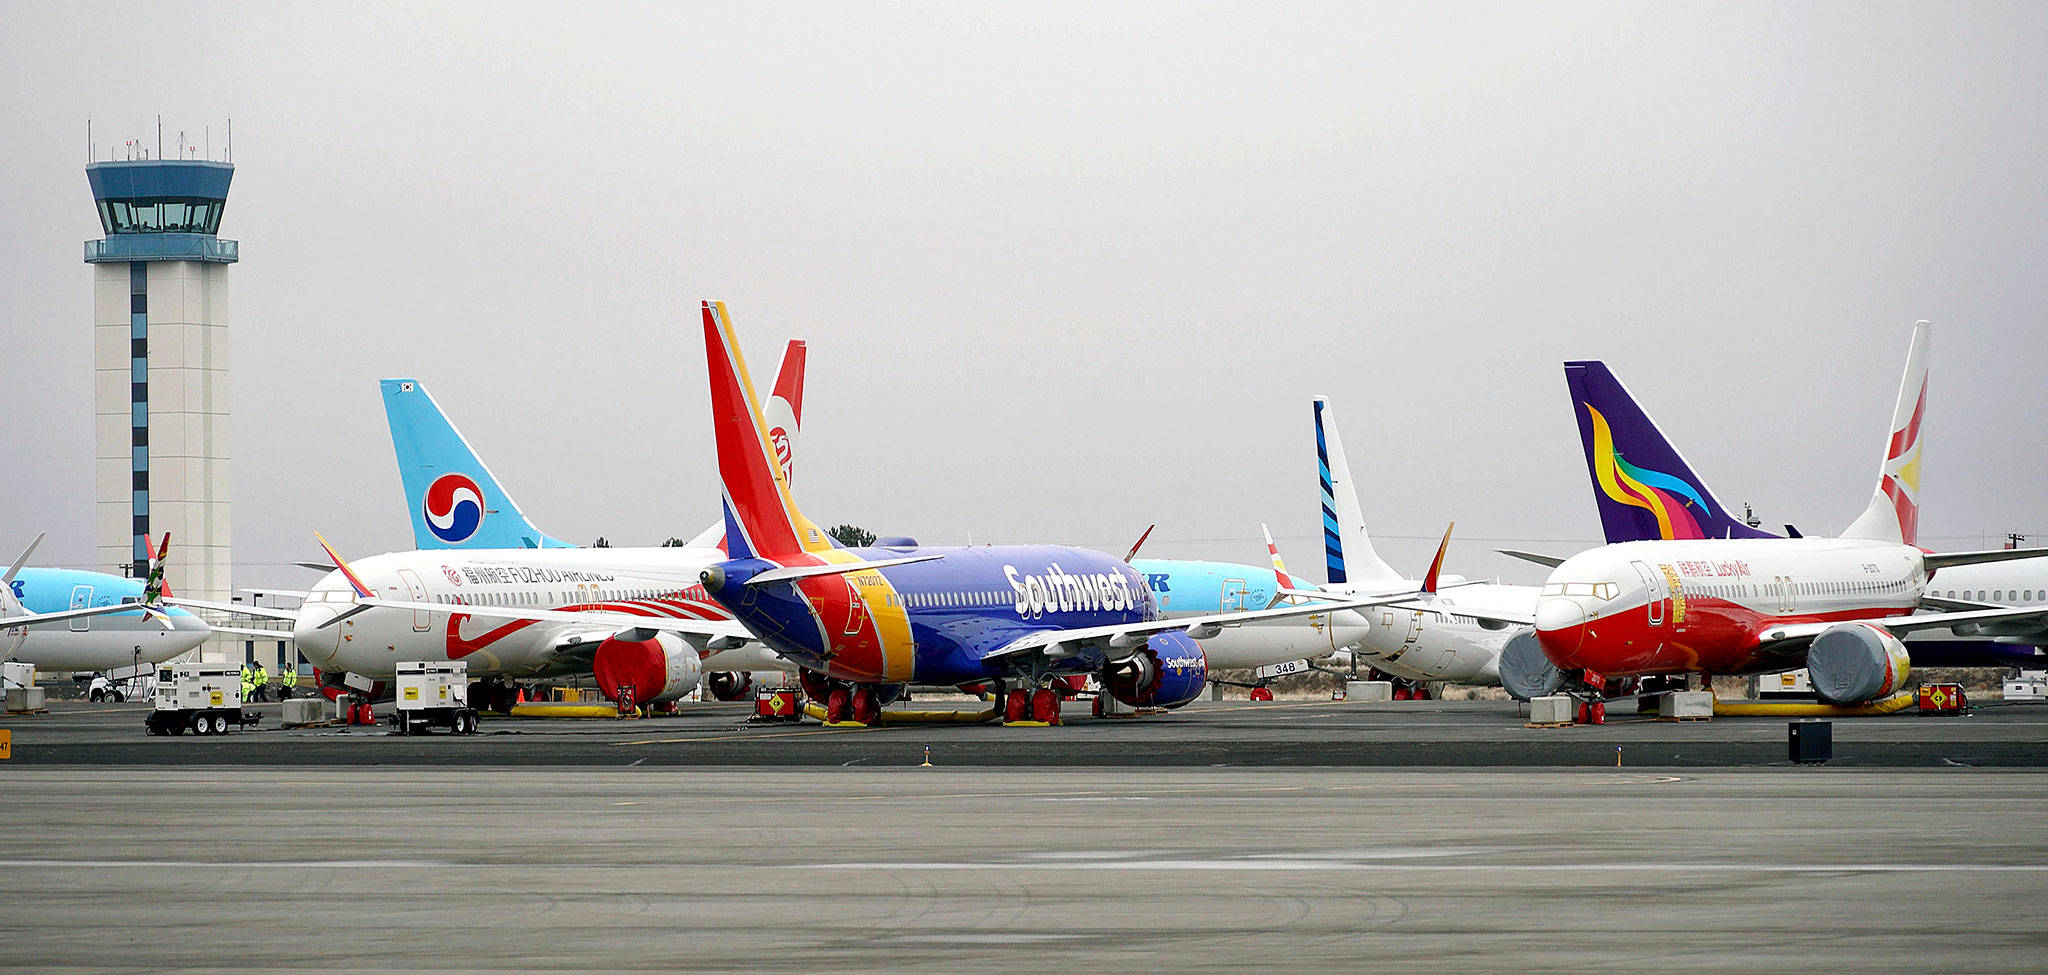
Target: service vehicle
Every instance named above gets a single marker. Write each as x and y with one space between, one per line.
201 698
433 694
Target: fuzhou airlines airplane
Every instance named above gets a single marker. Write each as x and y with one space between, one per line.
1734 605
529 606
865 622
108 622
1645 490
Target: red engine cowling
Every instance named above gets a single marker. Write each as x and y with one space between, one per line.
729 685
659 669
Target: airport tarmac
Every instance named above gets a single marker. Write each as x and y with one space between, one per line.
317 869
1283 733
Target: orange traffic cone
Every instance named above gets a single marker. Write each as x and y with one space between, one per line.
522 696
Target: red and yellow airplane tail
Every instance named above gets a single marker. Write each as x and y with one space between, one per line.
1894 512
761 517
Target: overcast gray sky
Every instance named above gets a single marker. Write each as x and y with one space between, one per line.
1065 270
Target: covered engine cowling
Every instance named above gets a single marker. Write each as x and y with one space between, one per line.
1850 663
660 668
1524 670
728 685
1169 672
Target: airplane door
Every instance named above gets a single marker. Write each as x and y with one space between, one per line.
81 597
1233 595
1657 595
419 595
856 609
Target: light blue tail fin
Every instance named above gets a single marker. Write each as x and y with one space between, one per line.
454 499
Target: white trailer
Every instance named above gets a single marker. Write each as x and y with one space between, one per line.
197 697
433 694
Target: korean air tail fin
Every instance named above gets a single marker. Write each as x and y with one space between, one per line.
1645 490
761 516
1347 550
1894 512
454 499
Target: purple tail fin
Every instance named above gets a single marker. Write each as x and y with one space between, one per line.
1645 490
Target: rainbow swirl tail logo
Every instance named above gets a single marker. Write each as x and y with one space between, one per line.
454 507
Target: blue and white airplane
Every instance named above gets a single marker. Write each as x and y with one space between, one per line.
1019 616
108 622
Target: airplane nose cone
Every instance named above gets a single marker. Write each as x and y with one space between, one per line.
1560 626
191 631
318 645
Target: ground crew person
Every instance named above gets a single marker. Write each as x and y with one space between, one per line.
288 675
248 682
262 684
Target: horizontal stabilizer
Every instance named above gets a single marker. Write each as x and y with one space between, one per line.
1547 561
794 572
1945 560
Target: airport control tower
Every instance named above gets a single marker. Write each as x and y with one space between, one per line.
160 344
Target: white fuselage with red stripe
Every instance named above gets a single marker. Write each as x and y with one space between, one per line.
1702 606
635 581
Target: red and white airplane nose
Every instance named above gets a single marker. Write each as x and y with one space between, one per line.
1560 628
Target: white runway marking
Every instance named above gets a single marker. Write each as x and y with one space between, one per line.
1304 864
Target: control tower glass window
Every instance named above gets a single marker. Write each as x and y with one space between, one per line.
161 215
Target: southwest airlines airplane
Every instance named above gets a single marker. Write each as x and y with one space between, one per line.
1637 473
489 588
1691 604
109 622
1017 616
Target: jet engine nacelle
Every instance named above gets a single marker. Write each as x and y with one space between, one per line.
1524 670
661 668
728 685
1850 663
1169 672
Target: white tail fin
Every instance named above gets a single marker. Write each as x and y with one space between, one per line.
1347 550
1894 512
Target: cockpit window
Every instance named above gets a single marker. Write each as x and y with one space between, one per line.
1598 590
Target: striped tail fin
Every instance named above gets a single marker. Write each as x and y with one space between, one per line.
1894 512
761 517
1347 550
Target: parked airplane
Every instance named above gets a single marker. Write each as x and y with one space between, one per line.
1645 491
1746 605
1015 615
109 622
1435 637
539 608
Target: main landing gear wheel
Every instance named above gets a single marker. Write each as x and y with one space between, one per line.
1016 706
866 706
838 705
1045 705
1261 694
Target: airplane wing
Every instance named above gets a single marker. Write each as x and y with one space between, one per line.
251 631
1124 639
1477 614
237 609
32 619
1907 624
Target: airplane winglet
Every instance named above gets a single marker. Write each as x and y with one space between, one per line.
1436 566
362 591
12 570
155 590
1279 568
1133 553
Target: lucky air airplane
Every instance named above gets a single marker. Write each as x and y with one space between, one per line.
109 622
1687 604
865 622
1646 491
530 605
